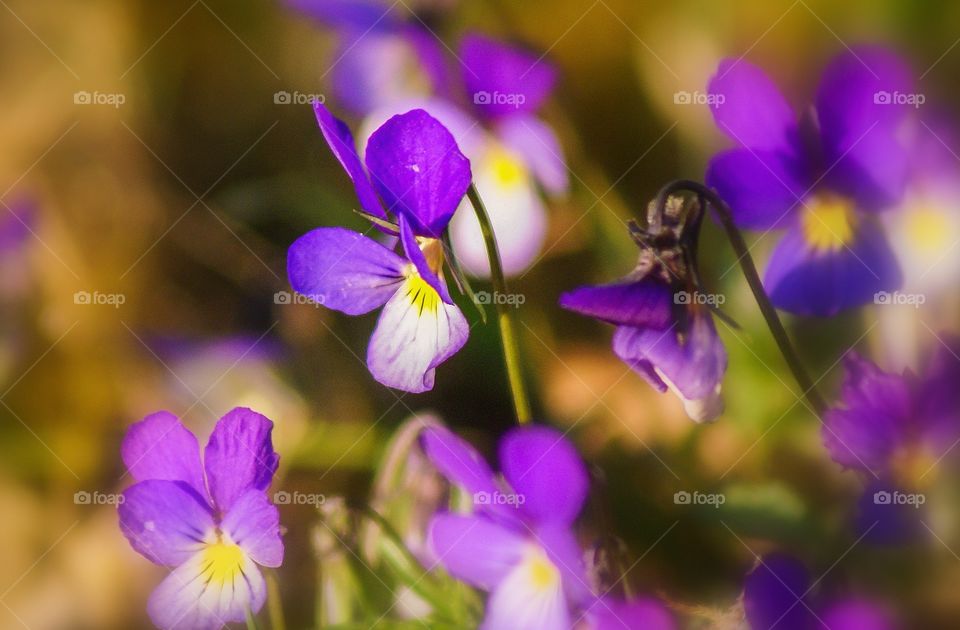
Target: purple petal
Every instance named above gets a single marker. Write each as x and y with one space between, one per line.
563 550
544 468
165 521
536 141
239 456
647 302
692 367
340 140
416 332
882 521
361 15
749 108
344 270
613 614
253 523
457 460
416 255
806 281
193 597
857 614
773 595
475 549
870 425
502 80
762 188
419 171
160 447
873 171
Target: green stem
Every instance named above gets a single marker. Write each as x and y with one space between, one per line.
790 355
274 603
505 314
251 622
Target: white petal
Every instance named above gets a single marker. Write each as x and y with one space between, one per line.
529 598
417 331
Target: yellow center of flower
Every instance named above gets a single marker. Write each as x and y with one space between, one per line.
421 295
542 573
222 562
507 168
828 223
927 228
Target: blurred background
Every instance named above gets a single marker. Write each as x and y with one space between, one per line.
152 181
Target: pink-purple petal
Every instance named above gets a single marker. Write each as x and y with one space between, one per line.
419 171
475 549
457 460
857 614
503 80
615 614
419 260
749 108
645 302
160 447
239 456
253 523
343 270
773 595
537 143
564 551
805 281
544 468
165 521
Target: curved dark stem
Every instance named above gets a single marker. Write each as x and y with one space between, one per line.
753 279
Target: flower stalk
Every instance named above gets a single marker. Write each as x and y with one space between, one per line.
505 317
749 269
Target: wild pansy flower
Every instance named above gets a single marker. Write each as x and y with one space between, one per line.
896 427
663 333
518 544
778 594
382 57
516 154
208 519
418 171
823 178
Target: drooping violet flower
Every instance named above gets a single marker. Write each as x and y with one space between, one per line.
518 544
382 56
418 171
896 427
208 519
663 332
823 179
777 594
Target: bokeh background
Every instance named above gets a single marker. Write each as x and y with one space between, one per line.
178 203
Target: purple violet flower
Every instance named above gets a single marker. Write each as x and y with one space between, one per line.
518 544
209 519
823 178
777 596
418 171
670 340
